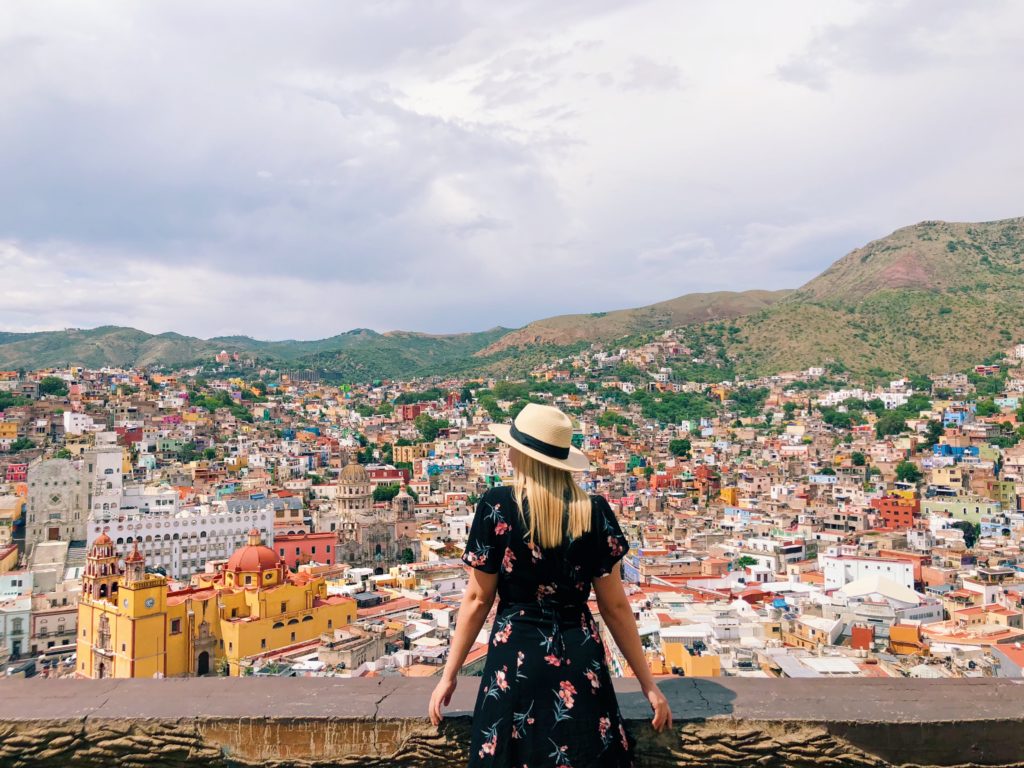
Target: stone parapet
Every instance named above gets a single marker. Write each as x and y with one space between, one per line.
380 722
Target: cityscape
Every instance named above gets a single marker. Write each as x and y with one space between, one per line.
468 384
236 520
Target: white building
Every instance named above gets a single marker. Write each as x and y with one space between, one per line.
78 423
102 474
182 540
841 570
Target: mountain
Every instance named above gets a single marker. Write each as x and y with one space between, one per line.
933 297
604 326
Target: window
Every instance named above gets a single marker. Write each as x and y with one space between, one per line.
284 607
312 550
293 637
175 626
330 623
248 580
263 643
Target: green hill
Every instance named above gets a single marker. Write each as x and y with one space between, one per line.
933 297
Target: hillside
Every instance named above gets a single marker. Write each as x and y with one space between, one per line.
932 297
603 326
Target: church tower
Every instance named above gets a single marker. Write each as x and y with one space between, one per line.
141 618
102 574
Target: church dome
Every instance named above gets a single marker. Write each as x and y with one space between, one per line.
254 557
102 541
354 474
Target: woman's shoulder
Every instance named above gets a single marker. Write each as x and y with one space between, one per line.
499 494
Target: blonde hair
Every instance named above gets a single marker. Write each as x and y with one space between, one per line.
547 488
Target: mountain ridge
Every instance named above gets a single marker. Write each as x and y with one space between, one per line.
929 297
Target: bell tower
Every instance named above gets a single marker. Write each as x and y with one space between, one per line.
102 575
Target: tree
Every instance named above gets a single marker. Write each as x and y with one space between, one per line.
680 447
407 556
745 561
210 454
187 453
971 531
63 453
890 423
826 471
908 472
858 459
51 385
986 407
22 444
934 432
466 396
788 410
385 492
430 427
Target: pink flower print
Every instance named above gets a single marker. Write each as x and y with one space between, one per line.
592 677
553 660
545 590
499 678
520 658
568 690
614 547
622 737
501 528
535 552
604 725
508 559
503 634
490 746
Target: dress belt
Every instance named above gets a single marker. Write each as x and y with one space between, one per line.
555 613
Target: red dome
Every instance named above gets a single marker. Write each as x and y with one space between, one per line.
102 540
254 556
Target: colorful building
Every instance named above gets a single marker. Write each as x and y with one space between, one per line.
132 625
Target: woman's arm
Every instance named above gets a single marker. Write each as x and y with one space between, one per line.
616 613
476 604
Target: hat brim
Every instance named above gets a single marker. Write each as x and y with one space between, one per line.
577 460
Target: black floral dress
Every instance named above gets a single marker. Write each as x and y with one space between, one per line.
546 696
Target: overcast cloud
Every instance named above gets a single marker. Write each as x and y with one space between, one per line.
285 170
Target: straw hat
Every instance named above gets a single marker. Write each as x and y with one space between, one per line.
544 433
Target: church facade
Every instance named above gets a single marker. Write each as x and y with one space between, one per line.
368 536
131 624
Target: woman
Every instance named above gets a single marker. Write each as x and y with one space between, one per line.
546 697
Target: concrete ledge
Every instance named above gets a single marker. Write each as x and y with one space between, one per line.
381 722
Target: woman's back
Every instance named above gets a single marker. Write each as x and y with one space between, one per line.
547 696
499 542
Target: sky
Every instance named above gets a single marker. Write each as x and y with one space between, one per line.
287 170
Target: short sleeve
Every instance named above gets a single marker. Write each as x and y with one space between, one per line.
485 545
612 545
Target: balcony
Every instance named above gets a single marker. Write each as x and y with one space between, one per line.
380 723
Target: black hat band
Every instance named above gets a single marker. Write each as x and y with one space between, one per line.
553 451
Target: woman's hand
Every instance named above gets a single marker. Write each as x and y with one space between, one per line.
442 695
662 719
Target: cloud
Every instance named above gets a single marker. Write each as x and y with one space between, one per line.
647 74
443 166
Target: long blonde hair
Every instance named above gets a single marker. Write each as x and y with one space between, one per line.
547 489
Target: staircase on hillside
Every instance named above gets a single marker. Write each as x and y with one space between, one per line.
77 551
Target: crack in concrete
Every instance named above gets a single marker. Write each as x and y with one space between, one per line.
376 713
700 693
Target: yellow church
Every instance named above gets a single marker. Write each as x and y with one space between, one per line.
132 625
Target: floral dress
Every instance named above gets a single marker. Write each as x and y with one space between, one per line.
546 696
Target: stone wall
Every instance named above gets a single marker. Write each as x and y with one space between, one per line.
381 722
